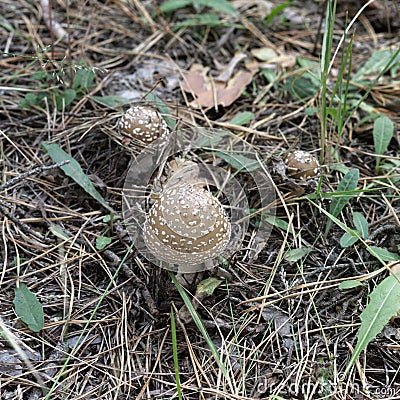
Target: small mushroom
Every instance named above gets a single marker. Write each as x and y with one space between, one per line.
143 125
186 225
301 165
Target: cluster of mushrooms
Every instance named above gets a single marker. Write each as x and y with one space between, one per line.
186 224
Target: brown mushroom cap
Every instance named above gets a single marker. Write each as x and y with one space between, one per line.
143 124
302 165
187 225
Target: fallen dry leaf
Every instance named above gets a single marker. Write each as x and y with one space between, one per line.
209 92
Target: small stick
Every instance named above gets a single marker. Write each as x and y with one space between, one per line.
35 171
24 227
54 26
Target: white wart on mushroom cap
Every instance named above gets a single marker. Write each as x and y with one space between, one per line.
187 225
143 124
302 165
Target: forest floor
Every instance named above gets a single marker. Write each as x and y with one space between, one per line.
86 316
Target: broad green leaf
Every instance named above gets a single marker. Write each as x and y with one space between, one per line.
382 133
350 284
347 184
212 138
28 308
207 19
65 98
242 118
238 161
383 254
379 60
208 286
297 254
218 5
361 224
83 79
74 170
111 101
300 87
172 5
102 242
384 304
348 239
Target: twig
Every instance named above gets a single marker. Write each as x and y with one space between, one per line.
53 25
35 171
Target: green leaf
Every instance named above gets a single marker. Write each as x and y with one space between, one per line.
28 308
111 101
163 109
384 304
300 88
279 223
378 62
361 224
347 184
297 254
382 133
175 354
74 170
242 118
207 286
383 254
200 326
348 239
276 11
211 138
58 232
83 79
350 284
238 161
102 242
207 19
65 98
218 5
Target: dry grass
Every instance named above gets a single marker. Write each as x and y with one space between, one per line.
282 328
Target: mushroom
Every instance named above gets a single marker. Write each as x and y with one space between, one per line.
302 165
186 225
143 124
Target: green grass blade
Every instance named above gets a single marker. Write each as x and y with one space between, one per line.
196 318
347 184
175 354
384 304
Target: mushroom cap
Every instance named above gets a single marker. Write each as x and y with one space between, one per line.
302 165
186 225
142 123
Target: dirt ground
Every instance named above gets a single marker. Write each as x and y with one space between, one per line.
280 324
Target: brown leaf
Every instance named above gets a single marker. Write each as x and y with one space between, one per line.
210 93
